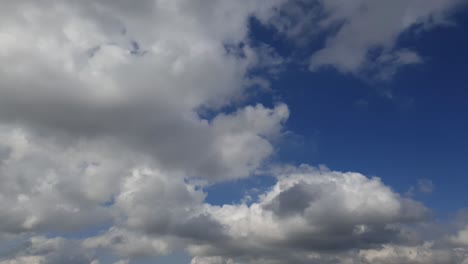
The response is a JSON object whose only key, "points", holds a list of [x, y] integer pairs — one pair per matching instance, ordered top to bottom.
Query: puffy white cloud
{"points": [[94, 68], [89, 93], [100, 106], [104, 134], [244, 141], [49, 186], [153, 201], [312, 211], [310, 215]]}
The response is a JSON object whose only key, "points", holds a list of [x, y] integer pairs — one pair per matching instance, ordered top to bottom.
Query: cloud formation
{"points": [[362, 35], [94, 69], [115, 114], [309, 216]]}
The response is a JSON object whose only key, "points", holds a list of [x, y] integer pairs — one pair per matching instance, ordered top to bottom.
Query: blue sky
{"points": [[351, 124], [234, 132], [418, 133]]}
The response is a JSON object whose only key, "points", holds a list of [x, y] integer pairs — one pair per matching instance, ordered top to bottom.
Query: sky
{"points": [[233, 132]]}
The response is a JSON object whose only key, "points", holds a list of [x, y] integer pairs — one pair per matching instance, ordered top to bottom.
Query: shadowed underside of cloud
{"points": [[102, 107]]}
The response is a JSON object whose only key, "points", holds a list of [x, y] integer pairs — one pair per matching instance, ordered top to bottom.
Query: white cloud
{"points": [[374, 24], [362, 35], [94, 69], [100, 123], [102, 126], [244, 141], [51, 187], [311, 210], [309, 216], [461, 238]]}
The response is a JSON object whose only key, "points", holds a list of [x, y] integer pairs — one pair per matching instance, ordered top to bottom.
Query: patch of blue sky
{"points": [[408, 128]]}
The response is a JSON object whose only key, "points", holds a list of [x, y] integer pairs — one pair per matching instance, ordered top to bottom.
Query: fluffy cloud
{"points": [[94, 69], [102, 108], [101, 114], [115, 114], [51, 187], [311, 211], [311, 215]]}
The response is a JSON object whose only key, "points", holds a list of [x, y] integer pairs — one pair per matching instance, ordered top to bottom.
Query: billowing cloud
{"points": [[95, 69], [115, 114], [50, 187], [311, 211], [311, 215]]}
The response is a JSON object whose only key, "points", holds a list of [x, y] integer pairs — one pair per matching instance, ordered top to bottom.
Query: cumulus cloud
{"points": [[94, 69], [115, 114], [101, 119], [50, 187], [311, 211], [311, 215]]}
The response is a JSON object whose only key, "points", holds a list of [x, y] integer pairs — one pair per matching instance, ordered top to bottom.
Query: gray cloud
{"points": [[370, 24], [362, 35], [72, 68], [330, 212], [336, 218], [39, 250]]}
